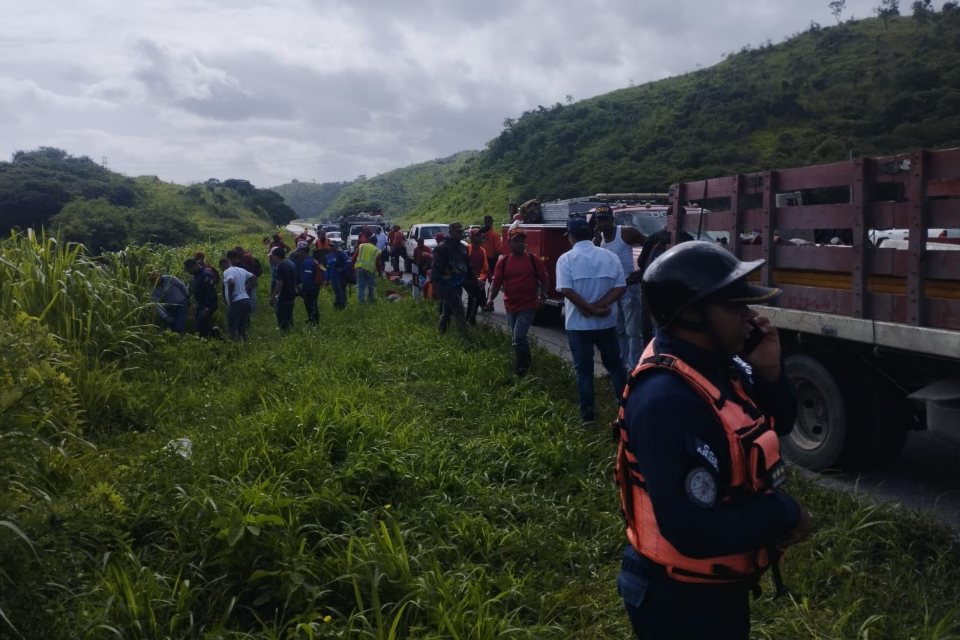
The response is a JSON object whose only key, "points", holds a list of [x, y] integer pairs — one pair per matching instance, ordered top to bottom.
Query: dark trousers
{"points": [[339, 287], [476, 298], [310, 304], [451, 305], [284, 312], [238, 319], [204, 321], [664, 609]]}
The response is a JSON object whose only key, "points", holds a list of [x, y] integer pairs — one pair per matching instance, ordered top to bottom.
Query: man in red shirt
{"points": [[397, 244], [523, 279]]}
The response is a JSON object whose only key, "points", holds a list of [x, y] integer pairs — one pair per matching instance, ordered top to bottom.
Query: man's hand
{"points": [[601, 311], [765, 357]]}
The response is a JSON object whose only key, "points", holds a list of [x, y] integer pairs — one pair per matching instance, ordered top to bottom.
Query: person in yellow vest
{"points": [[366, 259], [698, 464]]}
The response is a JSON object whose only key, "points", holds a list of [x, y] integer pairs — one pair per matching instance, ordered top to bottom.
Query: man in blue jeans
{"points": [[523, 279], [591, 280]]}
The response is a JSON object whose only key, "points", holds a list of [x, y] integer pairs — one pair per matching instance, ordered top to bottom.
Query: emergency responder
{"points": [[698, 466]]}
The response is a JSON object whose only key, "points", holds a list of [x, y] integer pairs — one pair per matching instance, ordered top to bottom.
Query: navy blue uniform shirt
{"points": [[672, 431]]}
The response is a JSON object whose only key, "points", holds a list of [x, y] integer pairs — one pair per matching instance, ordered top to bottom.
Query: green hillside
{"points": [[857, 88], [309, 199], [106, 211]]}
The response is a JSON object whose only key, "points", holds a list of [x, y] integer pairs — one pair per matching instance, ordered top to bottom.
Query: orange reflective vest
{"points": [[755, 467]]}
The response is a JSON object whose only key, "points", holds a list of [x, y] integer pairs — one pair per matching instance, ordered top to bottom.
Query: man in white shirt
{"points": [[591, 280], [237, 285]]}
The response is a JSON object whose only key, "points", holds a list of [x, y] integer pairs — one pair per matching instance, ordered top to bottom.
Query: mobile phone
{"points": [[753, 340]]}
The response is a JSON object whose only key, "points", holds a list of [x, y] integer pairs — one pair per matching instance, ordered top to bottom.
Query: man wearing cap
{"points": [[620, 240], [449, 271], [523, 279], [591, 280], [284, 289], [698, 466]]}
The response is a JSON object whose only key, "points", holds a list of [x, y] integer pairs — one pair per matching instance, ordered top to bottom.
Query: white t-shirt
{"points": [[239, 277]]}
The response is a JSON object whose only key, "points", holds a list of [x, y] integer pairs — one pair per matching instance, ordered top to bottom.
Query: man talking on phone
{"points": [[698, 465]]}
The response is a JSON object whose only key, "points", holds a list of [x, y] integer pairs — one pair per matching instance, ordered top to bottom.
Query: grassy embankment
{"points": [[366, 479]]}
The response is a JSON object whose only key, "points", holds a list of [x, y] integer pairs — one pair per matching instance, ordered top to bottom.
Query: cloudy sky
{"points": [[271, 90]]}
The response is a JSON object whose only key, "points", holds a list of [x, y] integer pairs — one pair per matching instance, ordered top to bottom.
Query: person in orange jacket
{"points": [[493, 245], [476, 287]]}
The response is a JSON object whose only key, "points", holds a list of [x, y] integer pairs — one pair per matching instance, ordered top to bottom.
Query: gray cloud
{"points": [[329, 89]]}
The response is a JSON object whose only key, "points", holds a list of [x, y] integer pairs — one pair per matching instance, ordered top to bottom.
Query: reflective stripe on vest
{"points": [[753, 447]]}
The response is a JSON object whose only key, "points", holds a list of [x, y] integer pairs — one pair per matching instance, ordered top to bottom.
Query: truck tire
{"points": [[848, 416], [820, 431]]}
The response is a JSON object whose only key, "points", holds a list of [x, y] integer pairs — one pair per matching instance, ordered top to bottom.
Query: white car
{"points": [[355, 231], [427, 231]]}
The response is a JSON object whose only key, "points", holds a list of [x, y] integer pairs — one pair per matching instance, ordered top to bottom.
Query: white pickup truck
{"points": [[428, 231]]}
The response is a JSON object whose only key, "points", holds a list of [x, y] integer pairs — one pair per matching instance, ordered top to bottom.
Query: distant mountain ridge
{"points": [[829, 93], [826, 94], [396, 192]]}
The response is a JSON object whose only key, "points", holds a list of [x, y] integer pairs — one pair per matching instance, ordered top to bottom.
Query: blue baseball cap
{"points": [[577, 226]]}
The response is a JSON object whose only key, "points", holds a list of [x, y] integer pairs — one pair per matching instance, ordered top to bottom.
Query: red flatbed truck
{"points": [[871, 333]]}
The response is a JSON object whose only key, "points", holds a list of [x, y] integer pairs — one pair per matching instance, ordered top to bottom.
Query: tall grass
{"points": [[93, 305], [371, 479]]}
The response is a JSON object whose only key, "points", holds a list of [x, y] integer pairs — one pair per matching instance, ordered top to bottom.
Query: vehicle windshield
{"points": [[646, 221], [428, 233]]}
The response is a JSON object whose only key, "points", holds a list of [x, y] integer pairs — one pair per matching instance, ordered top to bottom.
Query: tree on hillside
{"points": [[837, 7], [887, 9], [922, 11], [274, 206], [97, 224], [160, 224]]}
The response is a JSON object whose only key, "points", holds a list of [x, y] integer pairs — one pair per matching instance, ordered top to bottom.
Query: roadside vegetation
{"points": [[367, 479]]}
